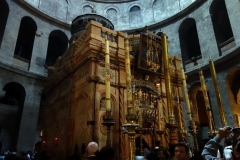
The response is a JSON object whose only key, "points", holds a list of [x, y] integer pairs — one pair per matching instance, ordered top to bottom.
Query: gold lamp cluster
{"points": [[153, 51]]}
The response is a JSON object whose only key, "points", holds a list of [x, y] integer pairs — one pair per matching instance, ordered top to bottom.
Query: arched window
{"points": [[87, 9], [4, 10], [112, 16], [135, 17], [221, 24], [25, 40], [189, 41], [57, 45]]}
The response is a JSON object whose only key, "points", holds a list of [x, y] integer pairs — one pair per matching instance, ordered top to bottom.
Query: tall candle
{"points": [[107, 75], [128, 77], [168, 84], [217, 91], [186, 95], [206, 100], [159, 116]]}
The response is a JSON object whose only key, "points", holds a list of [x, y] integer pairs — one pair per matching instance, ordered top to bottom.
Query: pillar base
{"points": [[131, 126]]}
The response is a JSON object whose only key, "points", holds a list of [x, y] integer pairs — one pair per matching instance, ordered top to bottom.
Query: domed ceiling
{"points": [[111, 1], [123, 14]]}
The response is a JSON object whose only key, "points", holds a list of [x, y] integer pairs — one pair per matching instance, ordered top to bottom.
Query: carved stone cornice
{"points": [[93, 79], [146, 84]]}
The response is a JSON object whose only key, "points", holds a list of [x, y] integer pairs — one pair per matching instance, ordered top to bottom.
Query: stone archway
{"points": [[233, 88], [11, 105], [199, 110], [38, 147]]}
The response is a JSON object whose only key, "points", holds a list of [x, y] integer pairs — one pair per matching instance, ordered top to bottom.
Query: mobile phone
{"points": [[235, 129]]}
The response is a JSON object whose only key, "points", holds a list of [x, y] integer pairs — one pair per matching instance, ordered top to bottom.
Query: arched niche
{"points": [[87, 9], [158, 9], [4, 11], [112, 16], [135, 17], [221, 24], [25, 40], [189, 41], [57, 45], [233, 87]]}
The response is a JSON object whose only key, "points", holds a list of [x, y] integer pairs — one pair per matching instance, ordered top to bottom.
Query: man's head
{"points": [[227, 142], [92, 148], [181, 151]]}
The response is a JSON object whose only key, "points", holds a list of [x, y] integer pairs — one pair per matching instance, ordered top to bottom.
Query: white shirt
{"points": [[227, 152]]}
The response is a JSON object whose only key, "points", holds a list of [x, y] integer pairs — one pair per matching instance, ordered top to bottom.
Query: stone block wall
{"points": [[152, 11]]}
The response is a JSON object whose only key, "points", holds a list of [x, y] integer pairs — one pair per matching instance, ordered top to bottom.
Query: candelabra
{"points": [[131, 116], [108, 121]]}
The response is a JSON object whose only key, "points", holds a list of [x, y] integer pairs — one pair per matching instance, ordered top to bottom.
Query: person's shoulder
{"points": [[91, 158]]}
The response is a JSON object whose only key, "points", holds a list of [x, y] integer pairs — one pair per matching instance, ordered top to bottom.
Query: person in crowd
{"points": [[211, 148], [91, 149], [146, 151], [181, 151], [227, 151], [106, 153], [153, 155], [13, 157]]}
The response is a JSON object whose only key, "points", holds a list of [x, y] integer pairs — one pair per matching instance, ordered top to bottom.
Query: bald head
{"points": [[92, 148]]}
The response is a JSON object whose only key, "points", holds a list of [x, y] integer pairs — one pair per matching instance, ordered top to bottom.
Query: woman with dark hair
{"points": [[106, 153]]}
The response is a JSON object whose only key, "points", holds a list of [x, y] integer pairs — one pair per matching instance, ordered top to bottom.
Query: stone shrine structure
{"points": [[75, 94]]}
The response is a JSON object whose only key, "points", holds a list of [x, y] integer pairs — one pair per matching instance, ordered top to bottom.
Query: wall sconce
{"points": [[146, 77], [158, 87], [92, 122], [41, 133]]}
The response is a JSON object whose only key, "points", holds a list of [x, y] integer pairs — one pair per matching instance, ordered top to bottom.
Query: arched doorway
{"points": [[233, 87], [12, 104], [200, 116], [38, 147]]}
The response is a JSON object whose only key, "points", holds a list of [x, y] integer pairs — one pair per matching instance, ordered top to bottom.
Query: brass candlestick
{"points": [[207, 104], [131, 116], [108, 122], [181, 129], [194, 133], [173, 138]]}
